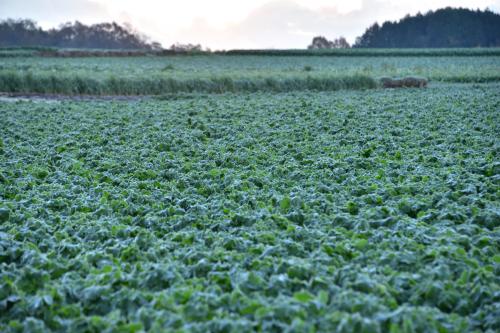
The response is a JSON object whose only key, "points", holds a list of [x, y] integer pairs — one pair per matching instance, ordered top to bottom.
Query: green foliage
{"points": [[350, 211], [4, 214]]}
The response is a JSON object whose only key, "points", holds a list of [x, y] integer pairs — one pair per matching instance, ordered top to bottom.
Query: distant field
{"points": [[225, 73]]}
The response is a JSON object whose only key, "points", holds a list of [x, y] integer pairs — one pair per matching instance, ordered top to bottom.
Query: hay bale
{"points": [[388, 82], [407, 82], [414, 82]]}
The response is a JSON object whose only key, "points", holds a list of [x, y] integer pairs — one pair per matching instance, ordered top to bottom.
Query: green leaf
{"points": [[285, 204], [352, 207], [4, 214], [360, 244], [496, 258], [303, 296]]}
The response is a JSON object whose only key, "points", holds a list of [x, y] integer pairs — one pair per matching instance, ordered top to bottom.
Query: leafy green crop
{"points": [[350, 211]]}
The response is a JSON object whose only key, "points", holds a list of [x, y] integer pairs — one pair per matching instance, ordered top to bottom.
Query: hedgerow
{"points": [[353, 52], [12, 82]]}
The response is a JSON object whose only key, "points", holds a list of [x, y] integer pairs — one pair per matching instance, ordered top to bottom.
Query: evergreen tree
{"points": [[447, 27]]}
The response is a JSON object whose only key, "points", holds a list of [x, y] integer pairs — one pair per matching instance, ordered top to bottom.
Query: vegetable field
{"points": [[220, 74], [302, 211]]}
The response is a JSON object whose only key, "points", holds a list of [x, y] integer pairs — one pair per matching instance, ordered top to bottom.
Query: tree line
{"points": [[443, 28], [19, 33]]}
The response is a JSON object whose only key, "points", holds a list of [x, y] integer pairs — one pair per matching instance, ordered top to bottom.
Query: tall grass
{"points": [[14, 82]]}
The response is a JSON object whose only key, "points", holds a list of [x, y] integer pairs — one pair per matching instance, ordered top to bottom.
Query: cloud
{"points": [[51, 12], [284, 24], [292, 24]]}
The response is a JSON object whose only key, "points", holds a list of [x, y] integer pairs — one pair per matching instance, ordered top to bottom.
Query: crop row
{"points": [[11, 82], [28, 83]]}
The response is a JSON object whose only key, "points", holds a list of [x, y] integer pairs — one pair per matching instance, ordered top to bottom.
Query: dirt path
{"points": [[15, 97]]}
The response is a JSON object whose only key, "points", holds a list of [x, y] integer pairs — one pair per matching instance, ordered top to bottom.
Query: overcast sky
{"points": [[224, 24]]}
